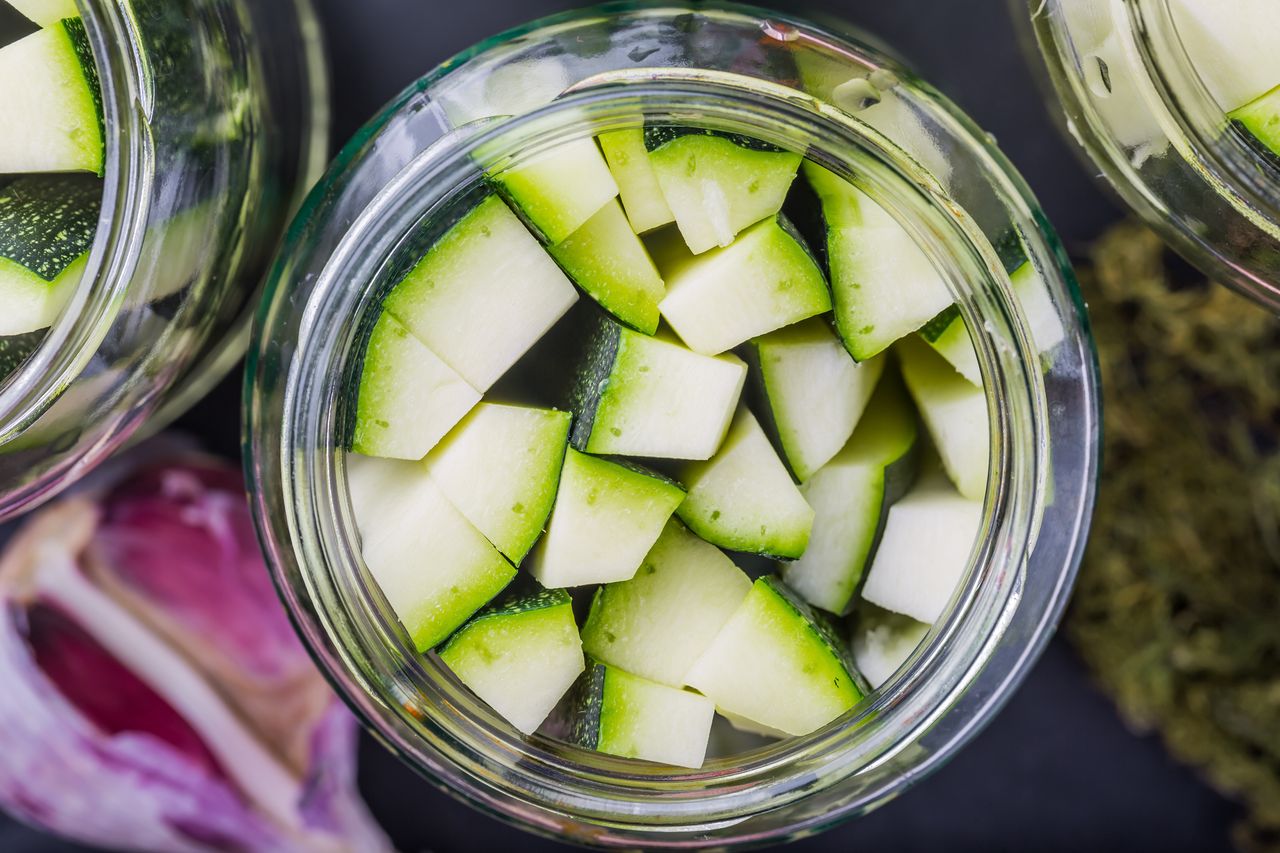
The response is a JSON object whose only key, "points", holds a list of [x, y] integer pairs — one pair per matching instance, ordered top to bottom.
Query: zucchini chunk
{"points": [[46, 12], [51, 102], [1261, 119], [628, 160], [717, 184], [560, 189], [47, 226], [606, 259], [765, 279], [883, 285], [483, 294], [809, 392], [636, 395], [408, 398], [955, 412], [500, 467], [851, 496], [743, 498], [606, 518], [927, 540], [435, 569], [658, 623], [882, 642], [520, 654], [777, 664], [626, 715]]}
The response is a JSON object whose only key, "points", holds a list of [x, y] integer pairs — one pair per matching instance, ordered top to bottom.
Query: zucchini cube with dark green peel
{"points": [[46, 12], [51, 103], [1261, 118], [717, 184], [558, 190], [642, 198], [47, 226], [606, 259], [764, 280], [883, 284], [483, 294], [949, 335], [809, 392], [637, 395], [408, 398], [955, 412], [500, 467], [851, 496], [743, 498], [607, 516], [928, 538], [434, 568], [658, 623], [883, 641], [520, 654], [777, 664], [632, 717]]}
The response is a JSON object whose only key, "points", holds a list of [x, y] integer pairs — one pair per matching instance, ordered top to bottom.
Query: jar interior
{"points": [[430, 700]]}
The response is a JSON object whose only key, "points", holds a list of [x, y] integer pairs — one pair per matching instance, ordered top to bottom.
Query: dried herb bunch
{"points": [[1178, 605]]}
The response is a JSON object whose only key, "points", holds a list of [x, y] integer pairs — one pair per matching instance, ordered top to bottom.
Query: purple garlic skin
{"points": [[156, 697]]}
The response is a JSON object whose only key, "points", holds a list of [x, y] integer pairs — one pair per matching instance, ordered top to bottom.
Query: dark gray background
{"points": [[1056, 770]]}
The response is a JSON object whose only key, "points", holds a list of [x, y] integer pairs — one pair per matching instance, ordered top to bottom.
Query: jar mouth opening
{"points": [[81, 325], [459, 728]]}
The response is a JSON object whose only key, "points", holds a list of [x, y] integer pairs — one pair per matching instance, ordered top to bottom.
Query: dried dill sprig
{"points": [[1178, 605]]}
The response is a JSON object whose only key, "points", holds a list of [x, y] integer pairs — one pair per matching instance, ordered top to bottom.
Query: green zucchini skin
{"points": [[656, 136], [47, 222], [16, 349], [586, 699]]}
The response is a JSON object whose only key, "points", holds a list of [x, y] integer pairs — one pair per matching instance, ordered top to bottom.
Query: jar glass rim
{"points": [[315, 494]]}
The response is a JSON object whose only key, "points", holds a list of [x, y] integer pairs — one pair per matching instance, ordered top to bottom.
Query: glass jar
{"points": [[727, 68], [1136, 102], [215, 117]]}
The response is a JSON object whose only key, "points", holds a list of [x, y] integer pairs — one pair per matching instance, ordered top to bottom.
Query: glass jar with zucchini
{"points": [[1178, 103], [150, 152], [673, 426]]}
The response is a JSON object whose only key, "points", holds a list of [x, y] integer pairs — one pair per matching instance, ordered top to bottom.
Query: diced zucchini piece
{"points": [[46, 12], [1232, 46], [51, 102], [1261, 117], [628, 160], [717, 184], [560, 189], [47, 225], [607, 260], [764, 280], [883, 285], [483, 294], [948, 334], [15, 349], [810, 393], [636, 395], [408, 397], [954, 410], [500, 467], [851, 496], [743, 498], [606, 518], [927, 540], [435, 569], [659, 622], [882, 642], [520, 654], [776, 664], [623, 714]]}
